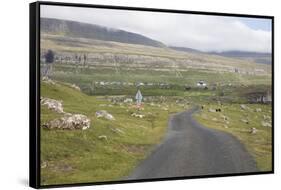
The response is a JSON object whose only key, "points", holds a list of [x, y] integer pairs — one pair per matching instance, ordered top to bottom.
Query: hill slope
{"points": [[84, 30], [185, 49], [257, 57], [76, 156]]}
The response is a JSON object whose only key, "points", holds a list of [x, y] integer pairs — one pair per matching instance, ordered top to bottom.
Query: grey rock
{"points": [[47, 80], [74, 86], [128, 100], [52, 104], [243, 107], [212, 110], [258, 110], [104, 114], [138, 115], [224, 117], [266, 117], [214, 119], [245, 121], [69, 122], [266, 124], [253, 130], [103, 137], [43, 165]]}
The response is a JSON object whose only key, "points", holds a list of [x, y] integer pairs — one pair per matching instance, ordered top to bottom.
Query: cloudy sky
{"points": [[203, 32]]}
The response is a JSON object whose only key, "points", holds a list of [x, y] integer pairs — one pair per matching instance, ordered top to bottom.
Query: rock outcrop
{"points": [[74, 86], [52, 104], [104, 114], [69, 122], [266, 124]]}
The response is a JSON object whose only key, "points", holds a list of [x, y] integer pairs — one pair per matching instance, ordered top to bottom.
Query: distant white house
{"points": [[201, 83]]}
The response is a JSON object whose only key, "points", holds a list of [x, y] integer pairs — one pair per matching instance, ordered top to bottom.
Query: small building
{"points": [[201, 84]]}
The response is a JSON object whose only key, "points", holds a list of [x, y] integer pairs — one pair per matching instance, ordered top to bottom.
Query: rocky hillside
{"points": [[83, 30], [72, 51]]}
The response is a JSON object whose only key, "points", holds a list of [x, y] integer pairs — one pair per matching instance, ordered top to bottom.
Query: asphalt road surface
{"points": [[190, 149]]}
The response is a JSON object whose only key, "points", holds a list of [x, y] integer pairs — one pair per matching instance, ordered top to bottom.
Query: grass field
{"points": [[81, 156]]}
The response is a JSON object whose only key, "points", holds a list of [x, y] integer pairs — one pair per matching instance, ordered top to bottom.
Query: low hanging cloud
{"points": [[202, 32]]}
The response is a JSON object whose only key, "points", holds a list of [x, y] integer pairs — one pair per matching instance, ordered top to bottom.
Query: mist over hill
{"points": [[84, 30]]}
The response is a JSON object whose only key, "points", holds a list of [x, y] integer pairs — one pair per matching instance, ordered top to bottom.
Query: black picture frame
{"points": [[34, 93]]}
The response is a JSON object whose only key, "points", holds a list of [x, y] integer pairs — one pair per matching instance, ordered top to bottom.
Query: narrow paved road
{"points": [[190, 149]]}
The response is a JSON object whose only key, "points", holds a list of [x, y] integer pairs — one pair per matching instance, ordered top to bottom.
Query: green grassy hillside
{"points": [[81, 156]]}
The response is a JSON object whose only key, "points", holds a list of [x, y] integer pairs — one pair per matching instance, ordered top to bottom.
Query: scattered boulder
{"points": [[48, 80], [74, 86], [128, 100], [52, 104], [152, 104], [243, 107], [141, 108], [165, 108], [212, 110], [258, 110], [104, 114], [137, 115], [224, 117], [266, 117], [214, 119], [245, 121], [69, 122], [266, 124], [225, 126], [117, 130], [253, 130], [103, 137], [43, 164]]}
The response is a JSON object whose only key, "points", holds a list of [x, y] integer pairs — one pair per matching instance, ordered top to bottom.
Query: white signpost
{"points": [[138, 98]]}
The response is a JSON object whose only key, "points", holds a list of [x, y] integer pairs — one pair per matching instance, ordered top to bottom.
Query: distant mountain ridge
{"points": [[92, 31], [98, 32], [185, 49], [257, 57]]}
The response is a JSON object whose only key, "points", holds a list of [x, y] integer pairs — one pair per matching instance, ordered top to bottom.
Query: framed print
{"points": [[126, 94]]}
